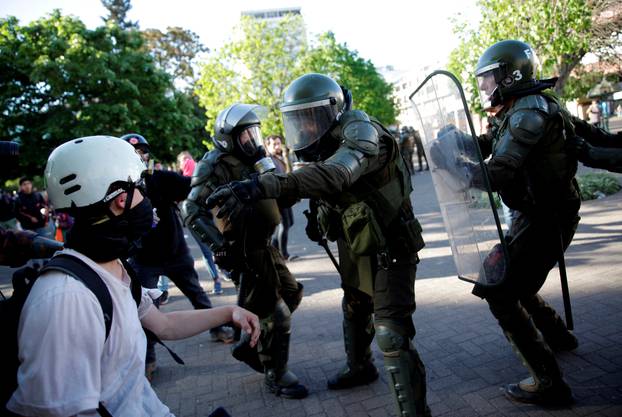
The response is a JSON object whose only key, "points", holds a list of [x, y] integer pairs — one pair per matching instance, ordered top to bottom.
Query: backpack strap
{"points": [[85, 274], [135, 286], [137, 293]]}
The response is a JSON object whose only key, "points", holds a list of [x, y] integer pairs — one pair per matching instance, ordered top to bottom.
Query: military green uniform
{"points": [[534, 174], [363, 193], [270, 290]]}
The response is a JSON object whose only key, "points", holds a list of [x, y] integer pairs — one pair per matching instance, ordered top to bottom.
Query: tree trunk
{"points": [[568, 63]]}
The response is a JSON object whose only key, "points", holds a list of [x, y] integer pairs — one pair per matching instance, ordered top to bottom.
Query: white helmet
{"points": [[79, 172]]}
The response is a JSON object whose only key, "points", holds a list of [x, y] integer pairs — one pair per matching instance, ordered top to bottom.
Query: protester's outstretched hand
{"points": [[248, 322]]}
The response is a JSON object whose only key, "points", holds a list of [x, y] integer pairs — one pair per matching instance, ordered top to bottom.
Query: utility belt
{"points": [[386, 260]]}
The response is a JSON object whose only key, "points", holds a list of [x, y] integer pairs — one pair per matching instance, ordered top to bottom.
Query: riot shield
{"points": [[467, 205]]}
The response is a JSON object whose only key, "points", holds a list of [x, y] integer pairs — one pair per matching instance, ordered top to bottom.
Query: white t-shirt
{"points": [[67, 364]]}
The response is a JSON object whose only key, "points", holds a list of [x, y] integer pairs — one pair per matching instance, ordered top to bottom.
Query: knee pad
{"points": [[390, 340]]}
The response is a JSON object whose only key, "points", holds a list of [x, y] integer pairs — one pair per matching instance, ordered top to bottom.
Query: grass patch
{"points": [[597, 185]]}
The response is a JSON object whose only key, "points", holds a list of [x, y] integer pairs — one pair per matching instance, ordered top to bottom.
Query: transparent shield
{"points": [[466, 203]]}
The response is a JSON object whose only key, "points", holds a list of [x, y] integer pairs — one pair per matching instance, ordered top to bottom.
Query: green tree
{"points": [[117, 13], [560, 31], [175, 51], [265, 57], [255, 67], [60, 80], [370, 91]]}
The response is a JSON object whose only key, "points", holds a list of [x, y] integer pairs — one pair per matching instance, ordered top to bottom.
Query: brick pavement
{"points": [[465, 353], [466, 356]]}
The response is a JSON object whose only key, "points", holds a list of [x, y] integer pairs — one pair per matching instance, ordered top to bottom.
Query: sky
{"points": [[406, 34]]}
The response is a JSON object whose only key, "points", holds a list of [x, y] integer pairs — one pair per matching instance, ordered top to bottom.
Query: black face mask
{"points": [[321, 150], [115, 236]]}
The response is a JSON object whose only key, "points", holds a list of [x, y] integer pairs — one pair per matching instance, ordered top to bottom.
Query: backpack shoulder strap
{"points": [[84, 273], [135, 286]]}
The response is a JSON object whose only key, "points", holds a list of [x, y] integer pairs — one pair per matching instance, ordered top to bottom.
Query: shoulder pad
{"points": [[532, 102], [527, 126], [358, 132], [205, 167]]}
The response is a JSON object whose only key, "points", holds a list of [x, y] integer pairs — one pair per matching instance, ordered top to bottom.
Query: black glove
{"points": [[235, 198], [313, 227], [227, 257]]}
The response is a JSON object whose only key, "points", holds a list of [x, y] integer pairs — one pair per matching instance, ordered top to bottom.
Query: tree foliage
{"points": [[117, 13], [561, 32], [175, 51], [265, 57], [255, 67], [60, 80]]}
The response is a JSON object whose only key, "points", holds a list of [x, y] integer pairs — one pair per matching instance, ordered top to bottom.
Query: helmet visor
{"points": [[486, 86], [306, 123], [250, 140]]}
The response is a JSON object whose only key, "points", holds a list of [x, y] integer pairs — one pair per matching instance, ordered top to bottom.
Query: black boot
{"points": [[358, 333], [278, 379], [546, 385]]}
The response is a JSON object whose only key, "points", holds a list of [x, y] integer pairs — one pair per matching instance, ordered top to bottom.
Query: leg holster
{"points": [[404, 368]]}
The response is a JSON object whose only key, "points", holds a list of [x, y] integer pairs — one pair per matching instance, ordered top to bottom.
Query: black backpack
{"points": [[11, 308]]}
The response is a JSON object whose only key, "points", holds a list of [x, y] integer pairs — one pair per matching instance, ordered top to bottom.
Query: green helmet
{"points": [[504, 70], [311, 106], [237, 130]]}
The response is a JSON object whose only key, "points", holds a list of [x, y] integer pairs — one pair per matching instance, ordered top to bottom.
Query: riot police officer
{"points": [[407, 147], [533, 172], [358, 180], [243, 246]]}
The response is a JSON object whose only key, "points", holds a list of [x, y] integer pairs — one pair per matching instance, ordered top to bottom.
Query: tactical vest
{"points": [[546, 179], [387, 193], [265, 217]]}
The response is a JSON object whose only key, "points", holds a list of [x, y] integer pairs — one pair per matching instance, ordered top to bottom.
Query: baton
{"points": [[324, 243], [561, 263]]}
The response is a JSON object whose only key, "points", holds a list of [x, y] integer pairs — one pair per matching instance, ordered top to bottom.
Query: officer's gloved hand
{"points": [[578, 147], [234, 198], [313, 227], [227, 257]]}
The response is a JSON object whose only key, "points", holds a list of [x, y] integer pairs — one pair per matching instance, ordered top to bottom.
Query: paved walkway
{"points": [[466, 356]]}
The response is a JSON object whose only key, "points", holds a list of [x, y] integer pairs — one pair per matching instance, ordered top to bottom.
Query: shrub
{"points": [[597, 185]]}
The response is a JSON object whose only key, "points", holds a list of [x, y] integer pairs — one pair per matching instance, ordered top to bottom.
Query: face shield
{"points": [[488, 85], [306, 123], [249, 140]]}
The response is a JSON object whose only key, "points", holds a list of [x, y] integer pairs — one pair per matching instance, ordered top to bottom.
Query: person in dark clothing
{"points": [[274, 147], [595, 147], [420, 151], [533, 172], [360, 187], [32, 209], [7, 210], [163, 249], [265, 284]]}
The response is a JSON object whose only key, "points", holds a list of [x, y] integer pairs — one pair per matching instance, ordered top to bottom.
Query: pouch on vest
{"points": [[361, 230], [413, 238]]}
